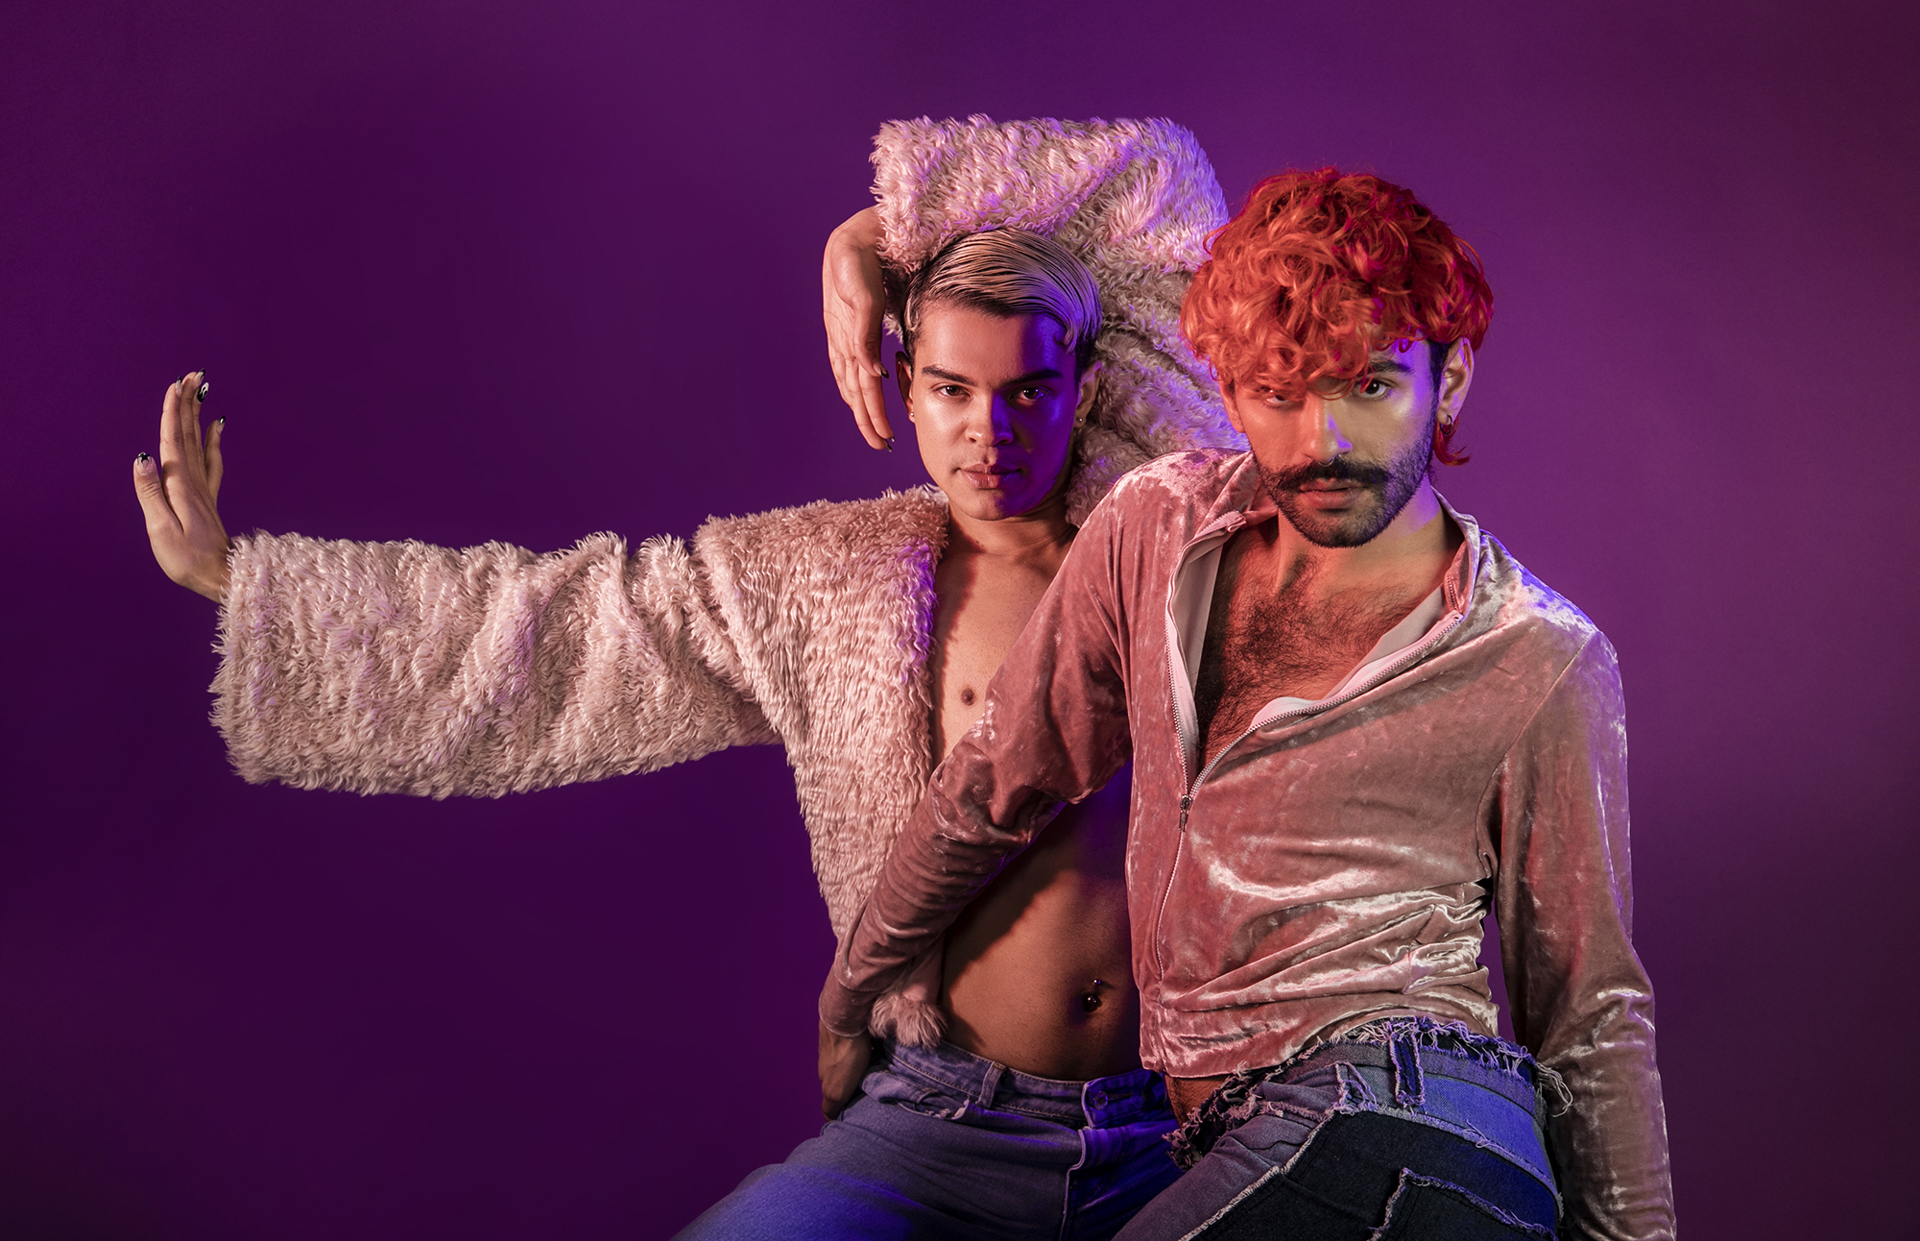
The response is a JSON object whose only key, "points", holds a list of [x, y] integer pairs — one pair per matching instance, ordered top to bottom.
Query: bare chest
{"points": [[983, 606]]}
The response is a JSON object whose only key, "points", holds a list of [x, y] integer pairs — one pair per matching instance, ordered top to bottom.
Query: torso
{"points": [[1275, 631], [1024, 957]]}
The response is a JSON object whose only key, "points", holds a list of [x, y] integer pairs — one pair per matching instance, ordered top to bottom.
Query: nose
{"points": [[991, 421], [1325, 439]]}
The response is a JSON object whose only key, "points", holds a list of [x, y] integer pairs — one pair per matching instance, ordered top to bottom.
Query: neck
{"points": [[1041, 534], [1419, 541]]}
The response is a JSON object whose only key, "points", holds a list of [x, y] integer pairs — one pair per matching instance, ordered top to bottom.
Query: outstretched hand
{"points": [[854, 300], [179, 493], [843, 1065]]}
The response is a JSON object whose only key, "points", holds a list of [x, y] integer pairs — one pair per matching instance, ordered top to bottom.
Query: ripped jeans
{"points": [[1404, 1127], [946, 1144]]}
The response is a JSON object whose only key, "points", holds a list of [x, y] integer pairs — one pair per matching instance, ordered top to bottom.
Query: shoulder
{"points": [[1200, 474], [1175, 493], [1523, 603]]}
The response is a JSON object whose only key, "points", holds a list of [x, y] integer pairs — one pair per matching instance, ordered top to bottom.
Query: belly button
{"points": [[966, 698], [1091, 1000]]}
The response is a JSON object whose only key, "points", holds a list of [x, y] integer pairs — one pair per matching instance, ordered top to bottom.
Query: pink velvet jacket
{"points": [[403, 667], [1332, 865]]}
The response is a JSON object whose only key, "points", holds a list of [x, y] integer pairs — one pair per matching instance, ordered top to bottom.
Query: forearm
{"points": [[1611, 1144]]}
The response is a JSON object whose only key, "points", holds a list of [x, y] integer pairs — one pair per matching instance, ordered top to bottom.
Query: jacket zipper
{"points": [[1189, 791], [1186, 794]]}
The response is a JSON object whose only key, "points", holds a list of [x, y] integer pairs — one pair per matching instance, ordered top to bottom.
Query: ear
{"points": [[903, 375], [1455, 378], [1089, 389], [1233, 409]]}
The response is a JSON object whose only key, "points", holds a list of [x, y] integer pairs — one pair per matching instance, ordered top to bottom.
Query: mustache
{"points": [[1339, 470]]}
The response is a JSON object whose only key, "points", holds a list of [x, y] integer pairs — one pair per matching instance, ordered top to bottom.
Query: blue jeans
{"points": [[1402, 1128], [946, 1144]]}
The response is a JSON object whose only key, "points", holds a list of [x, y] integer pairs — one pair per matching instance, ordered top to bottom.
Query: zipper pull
{"points": [[1186, 803]]}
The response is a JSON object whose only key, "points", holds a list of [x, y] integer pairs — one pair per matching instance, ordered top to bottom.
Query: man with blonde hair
{"points": [[860, 636]]}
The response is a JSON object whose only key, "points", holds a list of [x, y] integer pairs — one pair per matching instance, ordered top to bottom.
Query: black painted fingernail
{"points": [[202, 393], [221, 421], [889, 443], [143, 458]]}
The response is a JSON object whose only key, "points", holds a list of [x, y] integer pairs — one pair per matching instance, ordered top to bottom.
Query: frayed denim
{"points": [[1405, 1127], [945, 1144]]}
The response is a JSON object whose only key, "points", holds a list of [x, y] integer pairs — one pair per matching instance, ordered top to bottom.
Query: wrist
{"points": [[862, 229], [219, 577], [842, 1013]]}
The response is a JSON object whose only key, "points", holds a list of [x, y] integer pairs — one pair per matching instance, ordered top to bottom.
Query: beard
{"points": [[1386, 488]]}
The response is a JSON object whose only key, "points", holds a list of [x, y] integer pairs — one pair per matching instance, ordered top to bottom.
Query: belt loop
{"points": [[990, 1083], [1409, 1088]]}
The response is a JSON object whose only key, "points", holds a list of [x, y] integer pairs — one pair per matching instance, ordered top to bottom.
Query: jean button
{"points": [[1099, 1100]]}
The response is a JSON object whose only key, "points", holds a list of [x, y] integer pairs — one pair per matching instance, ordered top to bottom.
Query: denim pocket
{"points": [[913, 1093]]}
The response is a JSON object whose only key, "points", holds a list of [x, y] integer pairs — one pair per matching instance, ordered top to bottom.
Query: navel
{"points": [[966, 697]]}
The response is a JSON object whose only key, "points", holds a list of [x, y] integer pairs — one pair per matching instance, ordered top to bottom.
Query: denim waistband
{"points": [[1383, 1066], [1104, 1102]]}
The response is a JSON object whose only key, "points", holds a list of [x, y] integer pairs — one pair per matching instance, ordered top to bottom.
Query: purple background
{"points": [[463, 271]]}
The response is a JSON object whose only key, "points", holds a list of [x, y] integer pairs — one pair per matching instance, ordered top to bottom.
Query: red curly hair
{"points": [[1321, 269]]}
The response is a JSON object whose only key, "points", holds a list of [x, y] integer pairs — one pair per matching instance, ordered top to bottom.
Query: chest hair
{"points": [[1294, 641]]}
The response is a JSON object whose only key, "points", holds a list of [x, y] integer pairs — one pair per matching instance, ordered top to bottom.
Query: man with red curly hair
{"points": [[1356, 722]]}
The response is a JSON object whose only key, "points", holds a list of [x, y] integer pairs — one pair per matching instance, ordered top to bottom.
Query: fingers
{"points": [[862, 393], [874, 395], [190, 417], [173, 445], [183, 457], [216, 464], [153, 500]]}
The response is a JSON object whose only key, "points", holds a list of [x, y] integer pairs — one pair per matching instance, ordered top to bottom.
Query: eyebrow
{"points": [[1389, 364], [935, 372]]}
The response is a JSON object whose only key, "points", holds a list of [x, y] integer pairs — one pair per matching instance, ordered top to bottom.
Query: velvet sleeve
{"points": [[403, 667], [1054, 730], [1581, 1001]]}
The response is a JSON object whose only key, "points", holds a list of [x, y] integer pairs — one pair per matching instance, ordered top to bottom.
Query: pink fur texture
{"points": [[402, 667]]}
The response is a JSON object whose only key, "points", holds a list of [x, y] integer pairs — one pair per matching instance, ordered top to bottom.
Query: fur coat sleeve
{"points": [[1135, 201], [401, 667]]}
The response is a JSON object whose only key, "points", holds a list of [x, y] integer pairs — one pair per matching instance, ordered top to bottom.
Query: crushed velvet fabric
{"points": [[1335, 864]]}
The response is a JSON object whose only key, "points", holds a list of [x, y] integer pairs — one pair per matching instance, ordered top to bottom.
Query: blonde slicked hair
{"points": [[1009, 272]]}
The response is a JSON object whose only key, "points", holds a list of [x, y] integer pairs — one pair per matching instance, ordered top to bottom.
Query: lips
{"points": [[988, 477], [1330, 494]]}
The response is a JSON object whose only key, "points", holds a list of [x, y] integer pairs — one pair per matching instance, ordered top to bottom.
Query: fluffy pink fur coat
{"points": [[401, 667]]}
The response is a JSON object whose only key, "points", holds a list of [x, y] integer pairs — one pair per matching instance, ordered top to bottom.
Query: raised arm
{"points": [[1581, 1000]]}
